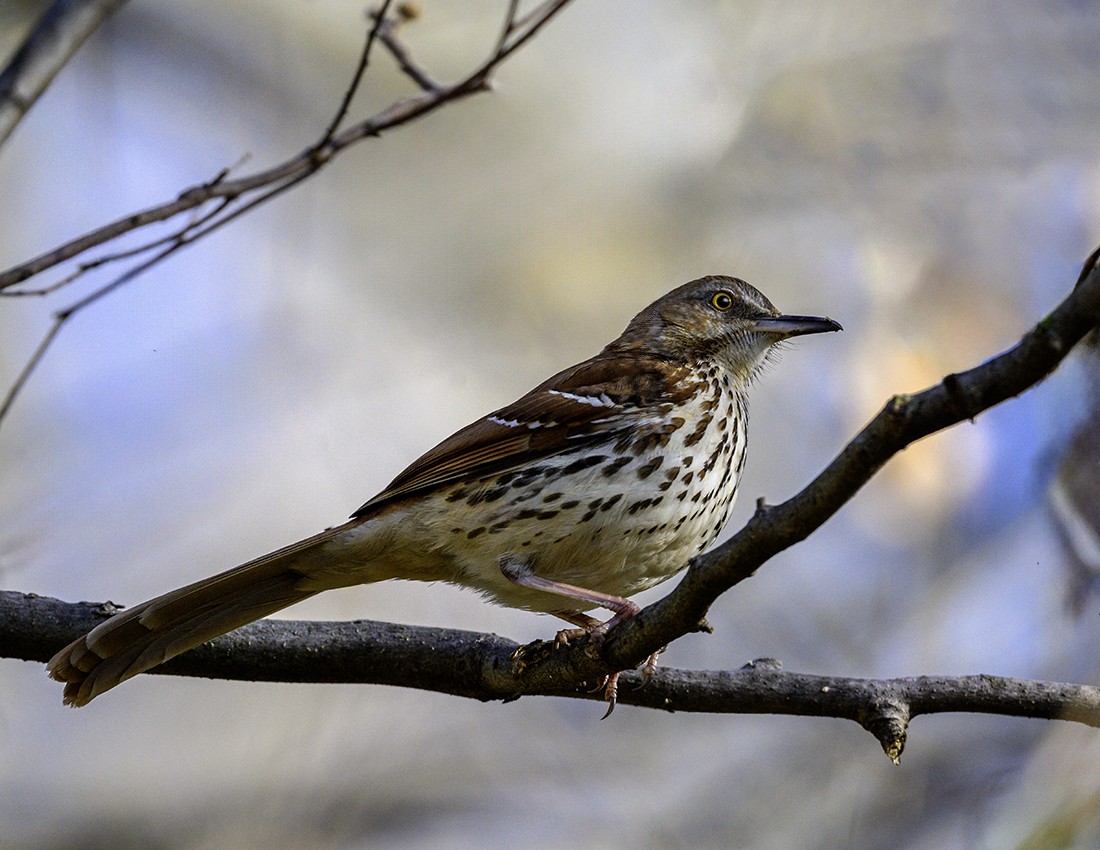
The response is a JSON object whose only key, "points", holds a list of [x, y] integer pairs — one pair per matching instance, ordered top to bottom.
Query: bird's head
{"points": [[717, 319]]}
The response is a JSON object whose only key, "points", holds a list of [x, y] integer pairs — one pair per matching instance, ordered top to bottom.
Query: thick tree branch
{"points": [[53, 42], [480, 666]]}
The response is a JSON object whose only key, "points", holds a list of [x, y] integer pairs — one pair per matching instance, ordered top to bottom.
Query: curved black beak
{"points": [[786, 326]]}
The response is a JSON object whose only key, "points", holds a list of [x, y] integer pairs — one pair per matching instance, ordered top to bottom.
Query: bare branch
{"points": [[509, 24], [524, 29], [387, 34], [53, 42], [306, 162], [228, 199], [196, 222], [181, 240], [29, 367], [480, 666]]}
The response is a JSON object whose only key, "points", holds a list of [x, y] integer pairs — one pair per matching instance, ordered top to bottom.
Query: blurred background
{"points": [[925, 172]]}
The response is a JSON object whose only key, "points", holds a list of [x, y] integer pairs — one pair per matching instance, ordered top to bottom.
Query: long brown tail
{"points": [[148, 634]]}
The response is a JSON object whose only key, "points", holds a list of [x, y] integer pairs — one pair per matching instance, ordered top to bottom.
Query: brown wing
{"points": [[590, 401]]}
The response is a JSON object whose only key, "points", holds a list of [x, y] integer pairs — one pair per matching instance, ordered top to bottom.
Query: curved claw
{"points": [[611, 694]]}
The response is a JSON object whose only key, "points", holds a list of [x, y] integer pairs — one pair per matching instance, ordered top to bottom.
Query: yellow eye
{"points": [[721, 301]]}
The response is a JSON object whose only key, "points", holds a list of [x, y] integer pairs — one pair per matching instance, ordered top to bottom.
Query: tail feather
{"points": [[140, 638]]}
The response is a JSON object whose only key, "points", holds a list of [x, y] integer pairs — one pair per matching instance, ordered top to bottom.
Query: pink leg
{"points": [[623, 609]]}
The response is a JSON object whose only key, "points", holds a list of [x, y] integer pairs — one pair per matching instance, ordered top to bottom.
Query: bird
{"points": [[602, 481]]}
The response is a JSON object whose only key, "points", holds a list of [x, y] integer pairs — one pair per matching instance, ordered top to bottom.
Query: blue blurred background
{"points": [[925, 172]]}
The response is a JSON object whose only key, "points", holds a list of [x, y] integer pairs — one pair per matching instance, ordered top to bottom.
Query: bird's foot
{"points": [[596, 631], [563, 637]]}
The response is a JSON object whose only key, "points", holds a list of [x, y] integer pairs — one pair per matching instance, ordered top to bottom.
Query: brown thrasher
{"points": [[598, 483]]}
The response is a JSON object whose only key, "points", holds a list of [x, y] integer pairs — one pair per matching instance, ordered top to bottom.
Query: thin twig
{"points": [[531, 24], [508, 28], [387, 34], [55, 39], [357, 77], [393, 116], [269, 182], [197, 219], [195, 222], [179, 242], [30, 366]]}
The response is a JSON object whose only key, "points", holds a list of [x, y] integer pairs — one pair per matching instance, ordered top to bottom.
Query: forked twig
{"points": [[230, 198]]}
